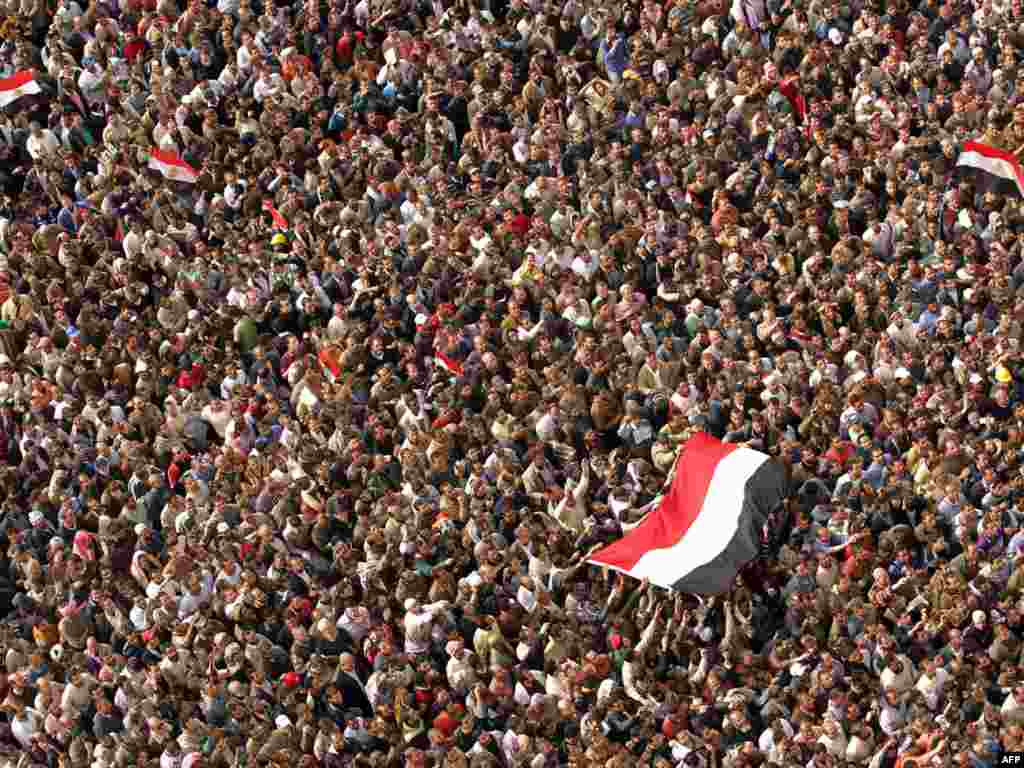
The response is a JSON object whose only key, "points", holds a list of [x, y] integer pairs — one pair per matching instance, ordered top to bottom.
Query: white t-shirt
{"points": [[43, 145], [25, 727]]}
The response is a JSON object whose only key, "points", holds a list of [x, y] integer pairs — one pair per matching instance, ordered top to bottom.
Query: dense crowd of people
{"points": [[303, 458]]}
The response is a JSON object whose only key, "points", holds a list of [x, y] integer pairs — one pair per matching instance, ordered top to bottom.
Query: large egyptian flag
{"points": [[17, 85], [171, 166], [992, 168], [710, 524]]}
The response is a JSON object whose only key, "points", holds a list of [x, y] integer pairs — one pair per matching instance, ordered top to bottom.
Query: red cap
{"points": [[291, 679]]}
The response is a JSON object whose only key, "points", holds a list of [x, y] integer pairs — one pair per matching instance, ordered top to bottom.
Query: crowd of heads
{"points": [[308, 429]]}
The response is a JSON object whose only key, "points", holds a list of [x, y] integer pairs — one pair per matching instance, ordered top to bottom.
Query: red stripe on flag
{"points": [[17, 80], [171, 159], [677, 511]]}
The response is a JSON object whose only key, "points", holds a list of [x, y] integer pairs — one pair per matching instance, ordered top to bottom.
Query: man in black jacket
{"points": [[351, 688]]}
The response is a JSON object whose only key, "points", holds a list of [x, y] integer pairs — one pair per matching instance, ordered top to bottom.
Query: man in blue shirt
{"points": [[614, 54], [66, 215]]}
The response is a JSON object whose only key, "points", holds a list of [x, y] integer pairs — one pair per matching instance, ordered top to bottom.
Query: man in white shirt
{"points": [[247, 51], [228, 78], [268, 84], [42, 143], [234, 191], [133, 242], [310, 290], [337, 326], [639, 340], [234, 377], [548, 424], [572, 509], [418, 623], [461, 667], [898, 674], [931, 683], [77, 695], [1012, 711], [25, 724], [774, 739]]}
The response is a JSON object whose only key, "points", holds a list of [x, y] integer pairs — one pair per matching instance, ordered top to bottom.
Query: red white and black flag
{"points": [[19, 84], [172, 166], [992, 168], [709, 525]]}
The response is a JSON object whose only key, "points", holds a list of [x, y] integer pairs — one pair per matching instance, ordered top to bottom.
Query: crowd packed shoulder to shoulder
{"points": [[301, 457]]}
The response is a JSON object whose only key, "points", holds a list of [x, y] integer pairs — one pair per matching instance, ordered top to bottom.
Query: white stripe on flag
{"points": [[714, 527]]}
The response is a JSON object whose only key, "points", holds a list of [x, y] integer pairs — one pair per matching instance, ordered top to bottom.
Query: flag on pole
{"points": [[17, 85], [172, 167], [994, 168], [279, 221], [710, 523]]}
